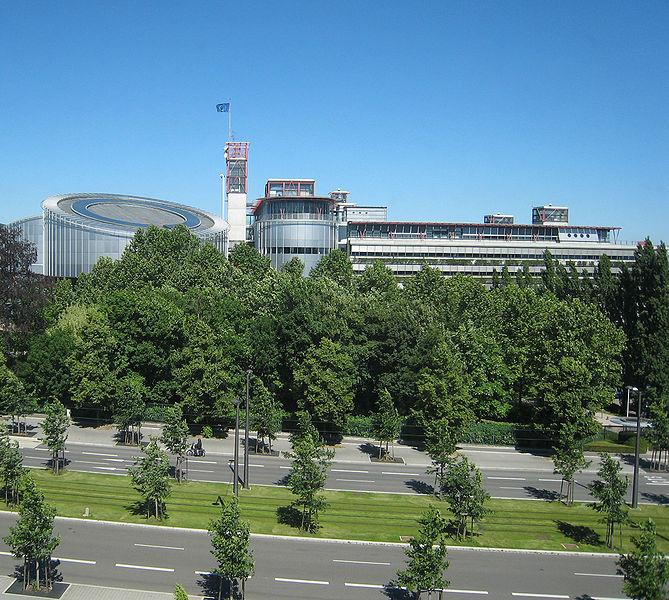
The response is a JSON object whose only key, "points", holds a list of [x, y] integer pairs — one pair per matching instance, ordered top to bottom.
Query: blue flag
{"points": [[225, 107]]}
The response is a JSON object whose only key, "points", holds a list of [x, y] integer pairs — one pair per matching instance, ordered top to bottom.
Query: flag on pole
{"points": [[225, 107]]}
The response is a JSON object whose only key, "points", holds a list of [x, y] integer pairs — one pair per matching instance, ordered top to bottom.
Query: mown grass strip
{"points": [[350, 515]]}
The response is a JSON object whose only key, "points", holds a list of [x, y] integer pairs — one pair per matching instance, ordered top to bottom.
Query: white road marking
{"points": [[45, 450], [99, 454], [116, 460], [89, 462], [202, 462], [258, 466], [285, 467], [107, 468], [200, 471], [346, 471], [392, 473], [508, 478], [358, 480], [551, 480], [664, 483], [506, 487], [161, 547], [3, 553], [75, 560], [360, 562], [144, 568], [203, 572], [598, 575], [311, 581], [374, 586], [479, 592], [538, 595]]}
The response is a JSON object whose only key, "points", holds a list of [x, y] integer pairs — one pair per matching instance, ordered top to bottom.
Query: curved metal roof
{"points": [[120, 213]]}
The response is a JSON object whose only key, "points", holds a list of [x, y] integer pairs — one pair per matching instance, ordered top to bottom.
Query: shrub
{"points": [[207, 432], [180, 593]]}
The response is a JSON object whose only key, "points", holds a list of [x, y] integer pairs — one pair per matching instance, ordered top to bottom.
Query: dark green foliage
{"points": [[54, 428], [150, 477], [609, 492], [426, 556], [646, 571]]}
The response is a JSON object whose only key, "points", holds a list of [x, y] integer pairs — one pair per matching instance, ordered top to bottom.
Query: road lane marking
{"points": [[45, 450], [99, 454], [89, 462], [202, 462], [258, 466], [285, 467], [108, 469], [200, 471], [346, 471], [409, 474], [508, 478], [357, 480], [552, 480], [664, 483], [506, 487], [162, 547], [78, 561], [360, 562], [145, 568], [204, 572], [598, 575], [311, 581], [374, 586], [479, 592], [528, 595]]}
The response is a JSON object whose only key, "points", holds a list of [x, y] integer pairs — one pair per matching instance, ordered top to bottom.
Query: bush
{"points": [[360, 426], [207, 432], [505, 434], [613, 447], [180, 593]]}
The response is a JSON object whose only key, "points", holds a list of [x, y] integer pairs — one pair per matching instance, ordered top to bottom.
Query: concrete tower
{"points": [[236, 187]]}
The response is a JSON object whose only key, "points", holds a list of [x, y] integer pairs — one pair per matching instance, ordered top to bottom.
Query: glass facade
{"points": [[285, 228], [69, 242]]}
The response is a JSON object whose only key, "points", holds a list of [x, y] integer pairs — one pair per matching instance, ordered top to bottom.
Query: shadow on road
{"points": [[420, 487], [542, 494], [655, 498], [209, 585]]}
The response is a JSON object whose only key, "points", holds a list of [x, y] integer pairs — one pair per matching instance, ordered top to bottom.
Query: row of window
{"points": [[296, 250], [474, 255]]}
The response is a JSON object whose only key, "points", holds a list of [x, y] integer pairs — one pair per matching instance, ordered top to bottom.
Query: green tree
{"points": [[336, 266], [327, 378], [14, 398], [130, 408], [266, 415], [386, 422], [54, 428], [658, 434], [175, 437], [440, 443], [568, 459], [11, 468], [308, 473], [150, 476], [609, 492], [465, 493], [32, 537], [230, 537], [426, 556], [645, 569], [180, 593]]}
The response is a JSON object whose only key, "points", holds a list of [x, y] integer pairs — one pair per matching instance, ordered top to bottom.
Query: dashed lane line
{"points": [[99, 454], [347, 471], [396, 473], [508, 478], [357, 480], [161, 547], [360, 562], [144, 568], [599, 575], [308, 581], [374, 586], [476, 592], [528, 595]]}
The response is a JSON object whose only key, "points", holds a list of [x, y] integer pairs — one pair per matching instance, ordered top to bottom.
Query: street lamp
{"points": [[627, 406], [246, 433], [635, 481], [235, 484]]}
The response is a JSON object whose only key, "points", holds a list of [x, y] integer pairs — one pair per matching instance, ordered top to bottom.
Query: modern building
{"points": [[236, 190], [292, 221], [75, 230]]}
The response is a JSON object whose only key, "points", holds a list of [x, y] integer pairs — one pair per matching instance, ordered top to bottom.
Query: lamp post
{"points": [[627, 406], [246, 433], [635, 481], [235, 484]]}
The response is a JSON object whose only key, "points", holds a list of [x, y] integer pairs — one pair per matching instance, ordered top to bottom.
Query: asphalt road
{"points": [[507, 479], [152, 558]]}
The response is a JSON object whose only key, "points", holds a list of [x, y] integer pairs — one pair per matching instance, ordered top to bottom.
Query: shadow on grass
{"points": [[420, 487], [542, 494], [141, 508], [289, 515], [580, 534]]}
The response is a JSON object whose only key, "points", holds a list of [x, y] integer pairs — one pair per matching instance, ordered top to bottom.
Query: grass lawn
{"points": [[533, 524]]}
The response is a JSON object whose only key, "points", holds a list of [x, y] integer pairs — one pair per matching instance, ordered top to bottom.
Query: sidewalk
{"points": [[78, 591]]}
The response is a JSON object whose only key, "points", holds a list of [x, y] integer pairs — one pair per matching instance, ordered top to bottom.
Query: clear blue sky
{"points": [[442, 110]]}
